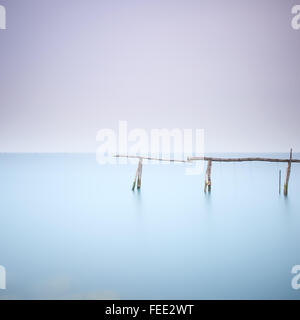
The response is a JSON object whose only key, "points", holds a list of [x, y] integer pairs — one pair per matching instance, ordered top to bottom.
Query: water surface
{"points": [[71, 228]]}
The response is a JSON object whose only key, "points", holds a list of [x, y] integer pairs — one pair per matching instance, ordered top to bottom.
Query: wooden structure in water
{"points": [[138, 175], [207, 186]]}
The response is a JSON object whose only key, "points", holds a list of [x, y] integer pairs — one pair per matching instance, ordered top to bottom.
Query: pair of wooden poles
{"points": [[207, 184]]}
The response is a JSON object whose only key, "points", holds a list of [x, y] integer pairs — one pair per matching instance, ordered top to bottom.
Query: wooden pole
{"points": [[151, 158], [140, 168], [288, 173], [137, 175], [208, 175], [134, 181], [279, 181]]}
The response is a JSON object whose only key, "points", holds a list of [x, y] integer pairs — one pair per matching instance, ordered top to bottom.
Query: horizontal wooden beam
{"points": [[149, 158], [189, 159], [242, 159]]}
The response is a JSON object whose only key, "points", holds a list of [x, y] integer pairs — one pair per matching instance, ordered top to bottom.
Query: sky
{"points": [[69, 68]]}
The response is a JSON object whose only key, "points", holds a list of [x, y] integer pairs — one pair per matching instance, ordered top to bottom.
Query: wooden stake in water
{"points": [[288, 173], [138, 176], [208, 176], [139, 179], [134, 181], [279, 181]]}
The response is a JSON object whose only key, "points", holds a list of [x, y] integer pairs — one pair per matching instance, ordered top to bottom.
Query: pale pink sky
{"points": [[71, 67]]}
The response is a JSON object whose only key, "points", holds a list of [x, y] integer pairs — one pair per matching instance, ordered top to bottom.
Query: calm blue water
{"points": [[71, 228]]}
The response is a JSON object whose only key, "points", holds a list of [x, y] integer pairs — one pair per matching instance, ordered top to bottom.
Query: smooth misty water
{"points": [[71, 228]]}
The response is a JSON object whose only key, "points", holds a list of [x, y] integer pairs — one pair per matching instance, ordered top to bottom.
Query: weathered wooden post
{"points": [[140, 168], [288, 172], [208, 175], [138, 176], [279, 181]]}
